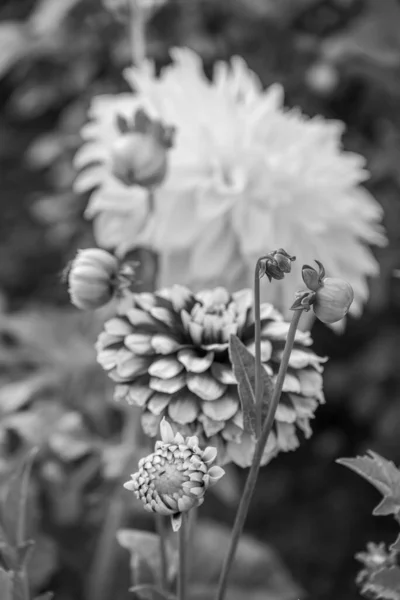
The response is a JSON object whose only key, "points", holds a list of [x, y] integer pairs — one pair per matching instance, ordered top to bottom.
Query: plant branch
{"points": [[137, 32], [257, 332], [258, 453], [162, 536], [182, 560]]}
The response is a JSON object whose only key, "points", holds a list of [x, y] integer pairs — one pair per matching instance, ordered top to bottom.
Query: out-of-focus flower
{"points": [[243, 170], [91, 278], [330, 297], [168, 353], [176, 476], [375, 558]]}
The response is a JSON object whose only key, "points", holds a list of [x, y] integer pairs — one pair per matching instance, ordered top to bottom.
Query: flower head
{"points": [[243, 170], [91, 278], [330, 297], [168, 353], [176, 476]]}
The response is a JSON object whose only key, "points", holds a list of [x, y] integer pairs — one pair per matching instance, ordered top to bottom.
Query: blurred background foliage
{"points": [[339, 58]]}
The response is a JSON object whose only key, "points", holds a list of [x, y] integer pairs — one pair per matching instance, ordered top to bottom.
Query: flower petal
{"points": [[164, 344], [193, 362], [165, 368], [223, 372], [168, 386], [205, 386], [158, 402], [183, 409], [223, 409], [167, 434]]}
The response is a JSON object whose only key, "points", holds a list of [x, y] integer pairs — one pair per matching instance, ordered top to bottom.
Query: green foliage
{"points": [[243, 363], [257, 571], [380, 578]]}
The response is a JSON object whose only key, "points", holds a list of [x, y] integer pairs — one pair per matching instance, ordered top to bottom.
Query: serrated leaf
{"points": [[244, 368], [383, 475], [13, 507], [396, 545], [386, 583], [5, 585], [150, 592]]}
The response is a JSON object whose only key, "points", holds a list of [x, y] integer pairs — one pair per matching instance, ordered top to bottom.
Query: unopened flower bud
{"points": [[140, 155], [276, 264], [91, 278], [330, 297], [333, 300], [176, 476]]}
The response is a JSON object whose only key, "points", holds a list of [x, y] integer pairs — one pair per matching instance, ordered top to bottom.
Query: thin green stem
{"points": [[137, 32], [257, 327], [258, 453], [162, 536], [182, 560]]}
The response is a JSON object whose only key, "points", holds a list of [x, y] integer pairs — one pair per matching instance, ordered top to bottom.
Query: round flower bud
{"points": [[139, 156], [91, 278], [333, 299], [176, 476]]}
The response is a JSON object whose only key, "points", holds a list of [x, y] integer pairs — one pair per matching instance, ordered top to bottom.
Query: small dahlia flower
{"points": [[243, 170], [168, 353], [176, 476]]}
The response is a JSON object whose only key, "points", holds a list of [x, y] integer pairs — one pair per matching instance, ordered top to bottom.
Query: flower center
{"points": [[169, 479]]}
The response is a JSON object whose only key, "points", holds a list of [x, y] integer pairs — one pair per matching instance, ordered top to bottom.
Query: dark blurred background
{"points": [[339, 58]]}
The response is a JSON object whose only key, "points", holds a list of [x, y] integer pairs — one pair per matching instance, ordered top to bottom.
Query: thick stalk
{"points": [[137, 32], [257, 339], [258, 453], [162, 536], [182, 575]]}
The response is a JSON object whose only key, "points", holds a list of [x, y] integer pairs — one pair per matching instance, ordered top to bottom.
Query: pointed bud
{"points": [[283, 260]]}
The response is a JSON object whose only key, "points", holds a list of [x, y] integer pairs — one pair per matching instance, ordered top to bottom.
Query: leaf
{"points": [[243, 364], [382, 474], [13, 507], [145, 555], [257, 570], [386, 583], [5, 585], [150, 592]]}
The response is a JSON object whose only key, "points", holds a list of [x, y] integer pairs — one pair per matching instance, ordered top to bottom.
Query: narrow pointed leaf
{"points": [[243, 366], [244, 369], [13, 508], [5, 585], [150, 592]]}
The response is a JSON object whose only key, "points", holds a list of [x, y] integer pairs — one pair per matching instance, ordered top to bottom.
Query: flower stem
{"points": [[137, 32], [257, 331], [258, 453], [162, 536], [182, 560]]}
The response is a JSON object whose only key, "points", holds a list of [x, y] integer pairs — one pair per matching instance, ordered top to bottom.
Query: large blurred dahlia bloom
{"points": [[243, 170], [168, 353]]}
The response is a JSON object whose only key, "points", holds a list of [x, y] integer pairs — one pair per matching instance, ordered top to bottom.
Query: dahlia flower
{"points": [[243, 170], [168, 353], [176, 476]]}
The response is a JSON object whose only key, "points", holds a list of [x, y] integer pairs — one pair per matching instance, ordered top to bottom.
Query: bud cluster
{"points": [[276, 264]]}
